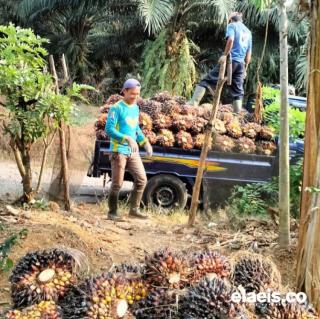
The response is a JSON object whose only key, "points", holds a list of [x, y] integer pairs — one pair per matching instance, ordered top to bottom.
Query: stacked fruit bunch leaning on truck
{"points": [[168, 121]]}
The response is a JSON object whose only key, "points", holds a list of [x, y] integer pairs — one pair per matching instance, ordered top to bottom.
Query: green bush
{"points": [[272, 115], [254, 199]]}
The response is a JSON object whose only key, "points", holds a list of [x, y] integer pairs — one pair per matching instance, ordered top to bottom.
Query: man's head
{"points": [[235, 17], [131, 91]]}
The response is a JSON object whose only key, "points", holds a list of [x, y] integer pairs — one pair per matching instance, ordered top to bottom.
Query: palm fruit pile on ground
{"points": [[168, 121], [40, 276], [167, 284], [43, 310]]}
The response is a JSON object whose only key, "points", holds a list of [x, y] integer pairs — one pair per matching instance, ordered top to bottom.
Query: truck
{"points": [[172, 172]]}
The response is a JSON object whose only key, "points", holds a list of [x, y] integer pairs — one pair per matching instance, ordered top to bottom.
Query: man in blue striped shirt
{"points": [[125, 134]]}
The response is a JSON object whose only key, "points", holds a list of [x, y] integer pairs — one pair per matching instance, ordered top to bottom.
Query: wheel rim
{"points": [[164, 196]]}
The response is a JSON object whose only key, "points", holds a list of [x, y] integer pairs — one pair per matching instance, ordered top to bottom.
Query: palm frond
{"points": [[155, 14]]}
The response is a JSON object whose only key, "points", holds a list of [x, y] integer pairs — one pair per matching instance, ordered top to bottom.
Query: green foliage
{"points": [[169, 66], [272, 117], [254, 199], [38, 204], [6, 263]]}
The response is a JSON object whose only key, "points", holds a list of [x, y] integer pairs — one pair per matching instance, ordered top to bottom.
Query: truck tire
{"points": [[166, 191]]}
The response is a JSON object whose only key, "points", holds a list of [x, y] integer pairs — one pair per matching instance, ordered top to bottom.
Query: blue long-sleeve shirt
{"points": [[123, 120]]}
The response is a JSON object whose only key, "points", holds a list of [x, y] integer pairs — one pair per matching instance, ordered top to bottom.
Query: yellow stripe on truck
{"points": [[209, 166]]}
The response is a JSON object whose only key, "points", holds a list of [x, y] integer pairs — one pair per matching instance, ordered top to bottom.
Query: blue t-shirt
{"points": [[242, 40], [123, 120]]}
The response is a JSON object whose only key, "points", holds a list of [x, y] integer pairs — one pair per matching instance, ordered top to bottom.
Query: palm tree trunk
{"points": [[284, 179], [308, 263]]}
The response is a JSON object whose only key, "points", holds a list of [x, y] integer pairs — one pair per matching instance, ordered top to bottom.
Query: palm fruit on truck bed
{"points": [[162, 97], [113, 99], [181, 100], [171, 107], [105, 108], [152, 108], [189, 110], [145, 121], [162, 121], [101, 122], [182, 123], [198, 125], [220, 127], [234, 128], [251, 130], [266, 133], [102, 135], [151, 136], [165, 138], [184, 140], [198, 141], [223, 143], [245, 145], [266, 147], [207, 263], [166, 269], [254, 272], [45, 275], [105, 296], [211, 299], [160, 304], [43, 310]]}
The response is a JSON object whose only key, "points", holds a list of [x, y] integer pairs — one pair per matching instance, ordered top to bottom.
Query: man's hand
{"points": [[222, 59], [132, 144], [148, 148]]}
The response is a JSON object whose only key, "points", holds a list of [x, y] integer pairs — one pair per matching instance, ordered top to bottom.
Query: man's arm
{"points": [[228, 46], [249, 53], [141, 139]]}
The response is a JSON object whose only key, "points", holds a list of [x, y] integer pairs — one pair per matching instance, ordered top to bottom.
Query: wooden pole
{"points": [[64, 67], [204, 152], [64, 161], [284, 172], [308, 261]]}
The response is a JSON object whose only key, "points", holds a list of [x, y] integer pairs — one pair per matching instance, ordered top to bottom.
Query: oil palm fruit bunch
{"points": [[162, 97], [113, 99], [181, 100], [141, 101], [170, 107], [105, 108], [152, 108], [188, 110], [206, 110], [145, 121], [101, 122], [162, 122], [182, 123], [198, 125], [220, 127], [234, 128], [251, 130], [266, 133], [101, 135], [151, 136], [165, 138], [184, 140], [198, 141], [223, 143], [245, 145], [266, 147], [209, 262], [166, 269], [255, 273], [39, 276], [137, 286], [105, 296], [210, 299], [160, 304], [43, 310], [285, 310]]}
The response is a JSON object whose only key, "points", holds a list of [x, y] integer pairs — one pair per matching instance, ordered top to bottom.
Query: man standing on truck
{"points": [[238, 48], [125, 134]]}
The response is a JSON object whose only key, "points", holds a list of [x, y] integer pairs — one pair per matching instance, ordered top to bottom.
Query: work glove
{"points": [[222, 59], [133, 145], [148, 149]]}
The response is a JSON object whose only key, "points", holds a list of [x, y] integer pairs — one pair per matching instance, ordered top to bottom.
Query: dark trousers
{"points": [[238, 71]]}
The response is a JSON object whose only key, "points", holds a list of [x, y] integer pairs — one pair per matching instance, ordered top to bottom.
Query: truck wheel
{"points": [[165, 191]]}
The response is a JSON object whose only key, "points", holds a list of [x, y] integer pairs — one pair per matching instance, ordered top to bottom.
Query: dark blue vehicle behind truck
{"points": [[171, 172]]}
